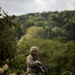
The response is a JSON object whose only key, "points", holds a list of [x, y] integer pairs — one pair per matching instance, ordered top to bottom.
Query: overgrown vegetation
{"points": [[52, 32]]}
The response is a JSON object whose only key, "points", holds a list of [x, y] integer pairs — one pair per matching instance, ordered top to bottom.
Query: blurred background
{"points": [[47, 24]]}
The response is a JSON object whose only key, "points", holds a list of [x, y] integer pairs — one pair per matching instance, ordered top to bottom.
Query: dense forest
{"points": [[50, 24], [52, 32]]}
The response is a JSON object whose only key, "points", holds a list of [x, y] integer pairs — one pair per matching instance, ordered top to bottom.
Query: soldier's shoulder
{"points": [[29, 56]]}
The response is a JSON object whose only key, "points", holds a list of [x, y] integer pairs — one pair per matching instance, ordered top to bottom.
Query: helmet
{"points": [[33, 48]]}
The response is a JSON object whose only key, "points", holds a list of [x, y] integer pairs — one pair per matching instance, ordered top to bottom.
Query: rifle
{"points": [[40, 66]]}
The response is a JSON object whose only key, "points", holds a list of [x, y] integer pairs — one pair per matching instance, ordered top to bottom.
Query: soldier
{"points": [[32, 62]]}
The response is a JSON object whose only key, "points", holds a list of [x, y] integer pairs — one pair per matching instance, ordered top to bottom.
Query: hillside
{"points": [[55, 24], [52, 32]]}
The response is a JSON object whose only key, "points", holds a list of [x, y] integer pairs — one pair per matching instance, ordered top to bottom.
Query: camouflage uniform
{"points": [[32, 65]]}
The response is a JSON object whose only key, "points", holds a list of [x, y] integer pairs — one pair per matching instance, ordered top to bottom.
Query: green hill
{"points": [[55, 24], [52, 32]]}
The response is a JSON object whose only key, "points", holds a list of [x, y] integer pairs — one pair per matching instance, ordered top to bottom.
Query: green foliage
{"points": [[64, 21], [35, 32], [52, 32], [8, 38], [23, 47], [56, 49], [55, 55], [18, 64], [66, 73]]}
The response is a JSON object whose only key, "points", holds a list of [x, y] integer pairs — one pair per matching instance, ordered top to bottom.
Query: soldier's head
{"points": [[33, 50]]}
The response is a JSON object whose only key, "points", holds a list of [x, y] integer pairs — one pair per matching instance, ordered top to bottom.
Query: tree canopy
{"points": [[8, 37]]}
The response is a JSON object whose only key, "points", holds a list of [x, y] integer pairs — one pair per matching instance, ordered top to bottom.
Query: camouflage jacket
{"points": [[32, 64]]}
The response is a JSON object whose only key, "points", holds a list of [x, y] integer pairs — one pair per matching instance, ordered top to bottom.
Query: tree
{"points": [[35, 32], [57, 32], [8, 38]]}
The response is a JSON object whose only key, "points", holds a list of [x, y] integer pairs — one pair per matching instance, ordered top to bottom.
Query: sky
{"points": [[20, 7]]}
